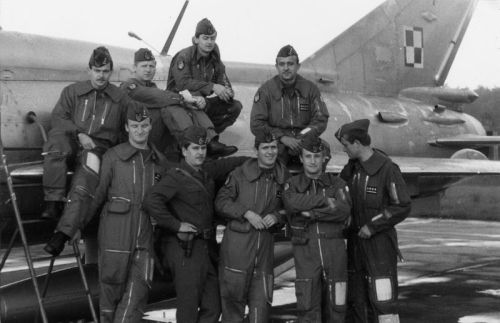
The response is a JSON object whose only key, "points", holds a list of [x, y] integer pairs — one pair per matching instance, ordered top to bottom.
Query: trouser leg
{"points": [[223, 114], [178, 118], [58, 151], [82, 191], [191, 276], [335, 282], [307, 283], [109, 296], [135, 297], [260, 297]]}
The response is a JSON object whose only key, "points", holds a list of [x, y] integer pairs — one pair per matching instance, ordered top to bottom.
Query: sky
{"points": [[248, 30]]}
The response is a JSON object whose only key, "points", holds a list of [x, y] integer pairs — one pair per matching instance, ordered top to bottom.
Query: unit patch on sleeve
{"points": [[414, 46], [180, 64], [256, 98]]}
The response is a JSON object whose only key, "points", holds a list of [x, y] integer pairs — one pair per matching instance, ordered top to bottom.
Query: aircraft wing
{"points": [[466, 141], [430, 166]]}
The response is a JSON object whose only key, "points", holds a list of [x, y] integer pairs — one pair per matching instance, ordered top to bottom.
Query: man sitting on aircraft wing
{"points": [[199, 69], [289, 106], [178, 111], [86, 121]]}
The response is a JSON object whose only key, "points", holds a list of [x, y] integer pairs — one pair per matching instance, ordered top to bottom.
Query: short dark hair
{"points": [[361, 136]]}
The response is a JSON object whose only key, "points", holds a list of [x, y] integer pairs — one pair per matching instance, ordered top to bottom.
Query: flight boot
{"points": [[216, 149], [52, 210], [56, 244]]}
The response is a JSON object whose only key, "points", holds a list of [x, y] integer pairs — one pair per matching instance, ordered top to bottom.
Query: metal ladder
{"points": [[29, 259]]}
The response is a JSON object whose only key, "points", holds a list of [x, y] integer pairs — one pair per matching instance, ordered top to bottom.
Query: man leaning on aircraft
{"points": [[199, 69], [289, 106], [178, 111], [86, 121]]}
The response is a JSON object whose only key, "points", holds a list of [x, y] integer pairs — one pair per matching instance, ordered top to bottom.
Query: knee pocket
{"points": [[114, 267], [234, 284], [383, 290], [303, 291], [337, 293]]}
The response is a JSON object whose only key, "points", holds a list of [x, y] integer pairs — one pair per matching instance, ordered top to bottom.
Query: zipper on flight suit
{"points": [[85, 109], [93, 114], [104, 114], [315, 191]]}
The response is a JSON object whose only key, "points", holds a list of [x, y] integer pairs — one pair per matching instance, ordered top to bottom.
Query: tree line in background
{"points": [[486, 108]]}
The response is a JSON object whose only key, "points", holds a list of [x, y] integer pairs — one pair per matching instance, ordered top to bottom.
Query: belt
{"points": [[205, 234]]}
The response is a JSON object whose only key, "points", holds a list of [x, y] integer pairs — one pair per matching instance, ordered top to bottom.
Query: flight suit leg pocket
{"points": [[114, 266], [234, 284], [268, 287], [303, 291], [337, 291]]}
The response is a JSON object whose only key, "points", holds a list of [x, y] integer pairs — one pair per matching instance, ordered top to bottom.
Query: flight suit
{"points": [[189, 70], [81, 109], [167, 110], [287, 111], [185, 195], [380, 200], [125, 231], [318, 245], [247, 255]]}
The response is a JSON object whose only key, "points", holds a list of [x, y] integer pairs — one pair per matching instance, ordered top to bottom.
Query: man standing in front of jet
{"points": [[199, 69], [288, 106], [380, 200], [319, 209]]}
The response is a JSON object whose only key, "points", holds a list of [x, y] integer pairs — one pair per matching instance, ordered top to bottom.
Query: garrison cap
{"points": [[204, 27], [286, 51], [143, 54], [100, 57], [137, 112], [357, 126], [194, 134], [264, 137], [313, 144]]}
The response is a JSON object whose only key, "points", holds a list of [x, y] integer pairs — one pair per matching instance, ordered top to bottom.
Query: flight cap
{"points": [[204, 27], [286, 51], [143, 54], [100, 57], [137, 112], [356, 127], [194, 134], [264, 137], [313, 144]]}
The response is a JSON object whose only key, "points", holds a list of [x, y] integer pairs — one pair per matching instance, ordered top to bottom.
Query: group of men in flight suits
{"points": [[117, 137]]}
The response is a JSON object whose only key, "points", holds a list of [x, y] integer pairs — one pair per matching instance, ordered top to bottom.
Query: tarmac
{"points": [[451, 273]]}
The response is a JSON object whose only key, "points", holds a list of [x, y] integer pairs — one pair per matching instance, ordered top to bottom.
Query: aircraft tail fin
{"points": [[400, 44]]}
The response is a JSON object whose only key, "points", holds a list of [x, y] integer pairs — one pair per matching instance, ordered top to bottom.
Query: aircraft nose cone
{"points": [[472, 96]]}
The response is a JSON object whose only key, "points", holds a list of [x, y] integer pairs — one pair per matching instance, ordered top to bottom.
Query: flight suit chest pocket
{"points": [[304, 111], [373, 195], [119, 205]]}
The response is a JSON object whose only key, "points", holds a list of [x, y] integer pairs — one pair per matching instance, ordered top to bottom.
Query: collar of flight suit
{"points": [[214, 54], [134, 80], [277, 89], [112, 91], [126, 151], [375, 162], [252, 171], [304, 182]]}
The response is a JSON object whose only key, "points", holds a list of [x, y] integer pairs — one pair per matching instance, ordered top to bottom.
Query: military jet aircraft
{"points": [[389, 67]]}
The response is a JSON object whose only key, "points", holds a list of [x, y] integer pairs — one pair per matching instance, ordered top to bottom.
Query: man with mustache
{"points": [[200, 70], [288, 106], [177, 111], [86, 121], [182, 205]]}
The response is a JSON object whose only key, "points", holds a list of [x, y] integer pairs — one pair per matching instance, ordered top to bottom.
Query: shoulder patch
{"points": [[180, 64], [132, 86], [256, 98]]}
